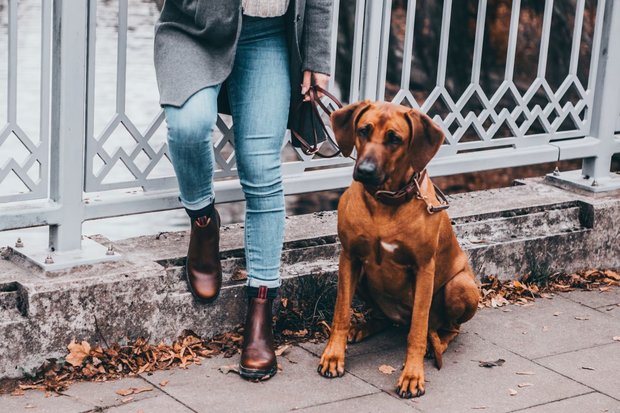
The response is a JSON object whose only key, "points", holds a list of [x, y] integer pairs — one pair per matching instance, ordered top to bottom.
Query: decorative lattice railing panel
{"points": [[24, 98], [507, 101], [126, 148]]}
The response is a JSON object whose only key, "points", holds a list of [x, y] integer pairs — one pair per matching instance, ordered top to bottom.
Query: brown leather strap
{"points": [[313, 105], [408, 192], [405, 194]]}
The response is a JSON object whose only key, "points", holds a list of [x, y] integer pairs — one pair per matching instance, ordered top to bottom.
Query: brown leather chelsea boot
{"points": [[203, 267], [258, 358]]}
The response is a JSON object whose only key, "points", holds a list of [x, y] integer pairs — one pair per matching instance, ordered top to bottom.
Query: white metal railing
{"points": [[74, 157]]}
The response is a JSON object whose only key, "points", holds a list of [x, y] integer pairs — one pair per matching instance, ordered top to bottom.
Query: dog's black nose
{"points": [[367, 169], [367, 172]]}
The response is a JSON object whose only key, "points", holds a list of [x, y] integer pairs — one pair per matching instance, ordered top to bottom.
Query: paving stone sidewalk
{"points": [[559, 355]]}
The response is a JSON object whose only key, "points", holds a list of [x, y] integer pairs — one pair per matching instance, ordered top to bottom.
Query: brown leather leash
{"points": [[313, 106]]}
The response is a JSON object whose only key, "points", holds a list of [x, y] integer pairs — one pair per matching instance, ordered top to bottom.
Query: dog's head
{"points": [[389, 139]]}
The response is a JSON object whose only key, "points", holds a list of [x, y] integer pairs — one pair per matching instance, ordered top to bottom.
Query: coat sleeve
{"points": [[317, 31]]}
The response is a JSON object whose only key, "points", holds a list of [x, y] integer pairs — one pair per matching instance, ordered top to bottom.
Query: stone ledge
{"points": [[528, 227]]}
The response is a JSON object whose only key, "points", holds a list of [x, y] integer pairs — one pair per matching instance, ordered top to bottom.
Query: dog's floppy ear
{"points": [[344, 121], [426, 139]]}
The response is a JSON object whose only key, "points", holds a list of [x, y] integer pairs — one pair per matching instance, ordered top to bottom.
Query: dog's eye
{"points": [[364, 131], [393, 139]]}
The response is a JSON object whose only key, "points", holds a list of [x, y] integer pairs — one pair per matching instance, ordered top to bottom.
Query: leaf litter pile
{"points": [[496, 293], [307, 320]]}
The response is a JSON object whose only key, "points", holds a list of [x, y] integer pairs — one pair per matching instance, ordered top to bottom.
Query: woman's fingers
{"points": [[316, 78], [321, 80], [305, 85]]}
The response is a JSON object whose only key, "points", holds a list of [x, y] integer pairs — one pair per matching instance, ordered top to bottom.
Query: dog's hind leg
{"points": [[460, 296], [454, 305]]}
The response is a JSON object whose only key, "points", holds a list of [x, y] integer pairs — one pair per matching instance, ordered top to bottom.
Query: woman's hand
{"points": [[316, 78]]}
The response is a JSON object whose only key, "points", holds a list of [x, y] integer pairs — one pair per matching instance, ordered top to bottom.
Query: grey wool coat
{"points": [[195, 43]]}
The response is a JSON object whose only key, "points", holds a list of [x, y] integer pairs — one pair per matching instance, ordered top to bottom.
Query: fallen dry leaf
{"points": [[612, 274], [239, 275], [557, 313], [582, 318], [298, 333], [616, 338], [282, 349], [77, 353], [490, 364], [231, 367], [587, 368], [386, 369], [525, 373], [163, 383], [521, 385], [31, 387], [141, 390], [18, 392], [124, 392], [512, 392], [127, 399]]}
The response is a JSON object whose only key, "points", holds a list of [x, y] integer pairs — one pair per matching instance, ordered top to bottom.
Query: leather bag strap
{"points": [[315, 105]]}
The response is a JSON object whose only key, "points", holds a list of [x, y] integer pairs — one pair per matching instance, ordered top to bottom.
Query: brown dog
{"points": [[399, 255]]}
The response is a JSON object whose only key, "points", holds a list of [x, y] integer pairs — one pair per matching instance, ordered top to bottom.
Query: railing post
{"points": [[371, 52], [606, 104], [68, 121], [595, 175]]}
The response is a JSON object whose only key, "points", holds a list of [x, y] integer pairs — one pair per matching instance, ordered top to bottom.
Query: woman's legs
{"points": [[259, 92], [191, 149]]}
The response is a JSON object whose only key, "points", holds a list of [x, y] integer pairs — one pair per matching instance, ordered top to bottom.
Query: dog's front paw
{"points": [[332, 361], [411, 382]]}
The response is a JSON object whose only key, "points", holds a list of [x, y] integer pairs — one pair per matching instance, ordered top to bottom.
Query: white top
{"points": [[264, 8]]}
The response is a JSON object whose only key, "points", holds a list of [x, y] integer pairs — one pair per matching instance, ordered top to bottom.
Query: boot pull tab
{"points": [[262, 292]]}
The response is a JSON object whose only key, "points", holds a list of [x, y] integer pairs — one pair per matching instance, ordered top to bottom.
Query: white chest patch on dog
{"points": [[388, 247]]}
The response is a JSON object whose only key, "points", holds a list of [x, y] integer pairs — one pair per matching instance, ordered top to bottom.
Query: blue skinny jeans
{"points": [[259, 95]]}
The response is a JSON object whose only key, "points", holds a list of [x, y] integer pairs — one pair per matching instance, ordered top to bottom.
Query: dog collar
{"points": [[408, 192]]}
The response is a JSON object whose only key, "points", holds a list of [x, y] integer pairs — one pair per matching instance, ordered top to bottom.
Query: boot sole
{"points": [[196, 296], [257, 374]]}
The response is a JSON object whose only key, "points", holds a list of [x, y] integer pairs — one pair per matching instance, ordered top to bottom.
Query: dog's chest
{"points": [[380, 250]]}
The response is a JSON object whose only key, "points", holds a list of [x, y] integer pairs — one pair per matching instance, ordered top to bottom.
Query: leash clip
{"points": [[430, 208]]}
